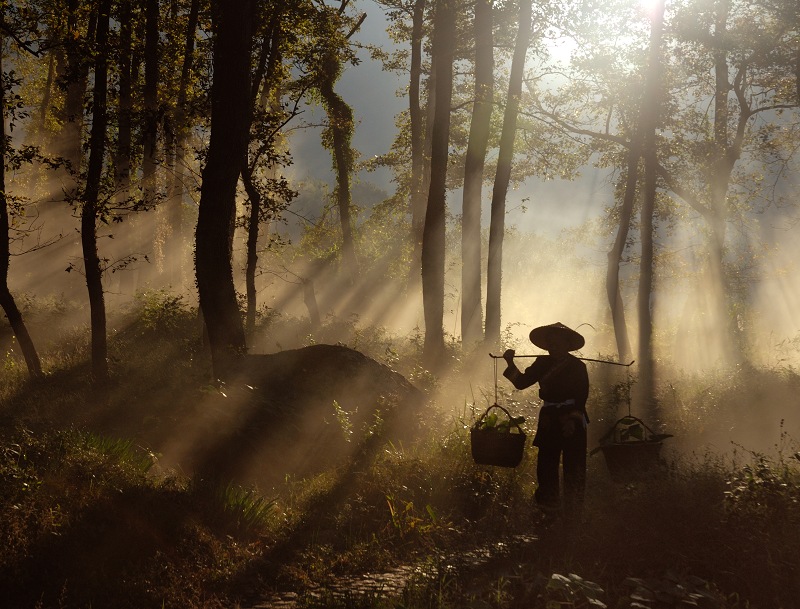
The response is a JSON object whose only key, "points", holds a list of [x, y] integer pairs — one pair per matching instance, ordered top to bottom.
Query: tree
{"points": [[333, 51], [740, 59], [650, 122], [230, 124], [181, 127], [503, 175], [417, 197], [92, 207], [433, 238], [7, 301], [471, 307]]}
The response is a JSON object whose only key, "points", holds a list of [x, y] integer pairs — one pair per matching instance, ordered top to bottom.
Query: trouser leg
{"points": [[575, 471], [547, 491]]}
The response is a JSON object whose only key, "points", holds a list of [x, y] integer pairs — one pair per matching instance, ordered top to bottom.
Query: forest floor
{"points": [[334, 477]]}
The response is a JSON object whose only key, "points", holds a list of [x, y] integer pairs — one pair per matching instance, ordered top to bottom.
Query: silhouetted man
{"points": [[561, 430]]}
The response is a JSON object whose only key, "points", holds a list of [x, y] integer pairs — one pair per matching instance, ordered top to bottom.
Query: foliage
{"points": [[163, 312], [494, 422], [765, 489], [82, 508], [572, 591], [671, 591]]}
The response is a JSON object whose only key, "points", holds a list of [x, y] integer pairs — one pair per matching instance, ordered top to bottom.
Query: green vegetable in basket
{"points": [[491, 422]]}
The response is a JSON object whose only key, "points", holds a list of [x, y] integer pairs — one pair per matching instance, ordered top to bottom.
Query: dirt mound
{"points": [[298, 412]]}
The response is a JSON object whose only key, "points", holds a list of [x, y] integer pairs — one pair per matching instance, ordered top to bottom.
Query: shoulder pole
{"points": [[586, 359]]}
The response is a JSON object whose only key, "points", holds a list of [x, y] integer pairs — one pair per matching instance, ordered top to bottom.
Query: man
{"points": [[561, 430]]}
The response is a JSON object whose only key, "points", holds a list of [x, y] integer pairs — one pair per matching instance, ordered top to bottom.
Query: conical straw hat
{"points": [[545, 337]]}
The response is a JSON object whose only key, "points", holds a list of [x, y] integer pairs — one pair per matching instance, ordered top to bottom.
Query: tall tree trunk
{"points": [[75, 77], [264, 77], [47, 94], [650, 119], [417, 120], [230, 125], [340, 125], [150, 128], [124, 144], [122, 154], [179, 174], [502, 178], [91, 205], [433, 237], [251, 264], [613, 291], [7, 301], [471, 306], [720, 314]]}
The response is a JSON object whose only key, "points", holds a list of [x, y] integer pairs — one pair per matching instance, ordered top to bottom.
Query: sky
{"points": [[377, 97]]}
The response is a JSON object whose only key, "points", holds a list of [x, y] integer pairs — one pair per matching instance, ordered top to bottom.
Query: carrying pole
{"points": [[586, 359]]}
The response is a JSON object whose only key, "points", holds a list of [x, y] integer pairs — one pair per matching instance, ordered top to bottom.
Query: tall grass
{"points": [[89, 517]]}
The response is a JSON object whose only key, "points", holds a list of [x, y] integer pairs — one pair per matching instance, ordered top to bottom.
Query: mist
{"points": [[555, 256]]}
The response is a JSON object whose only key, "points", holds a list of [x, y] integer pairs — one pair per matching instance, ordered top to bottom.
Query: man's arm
{"points": [[520, 380]]}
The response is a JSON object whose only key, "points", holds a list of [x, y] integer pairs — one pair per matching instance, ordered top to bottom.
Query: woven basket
{"points": [[490, 447], [629, 457]]}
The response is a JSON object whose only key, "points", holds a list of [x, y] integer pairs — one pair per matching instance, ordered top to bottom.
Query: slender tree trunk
{"points": [[268, 62], [74, 77], [47, 94], [651, 114], [416, 118], [340, 123], [230, 125], [150, 128], [124, 144], [122, 156], [179, 175], [503, 175], [91, 206], [433, 238], [252, 250], [613, 292], [720, 295], [310, 300], [7, 301], [471, 306]]}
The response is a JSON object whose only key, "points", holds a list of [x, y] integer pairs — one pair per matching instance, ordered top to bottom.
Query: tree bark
{"points": [[74, 75], [264, 77], [650, 118], [417, 120], [150, 122], [230, 124], [340, 124], [122, 156], [179, 174], [719, 177], [502, 178], [91, 205], [433, 237], [251, 264], [613, 292], [7, 301], [471, 306]]}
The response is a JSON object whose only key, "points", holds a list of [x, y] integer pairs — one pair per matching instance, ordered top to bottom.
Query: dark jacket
{"points": [[560, 379]]}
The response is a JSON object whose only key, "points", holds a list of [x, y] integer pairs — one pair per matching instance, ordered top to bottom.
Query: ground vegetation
{"points": [[99, 509]]}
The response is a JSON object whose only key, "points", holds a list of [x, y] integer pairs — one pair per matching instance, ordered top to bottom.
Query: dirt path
{"points": [[391, 583]]}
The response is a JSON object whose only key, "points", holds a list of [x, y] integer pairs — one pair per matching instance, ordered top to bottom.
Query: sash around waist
{"points": [[569, 402]]}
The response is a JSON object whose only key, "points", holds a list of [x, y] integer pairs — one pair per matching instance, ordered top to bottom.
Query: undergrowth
{"points": [[91, 517]]}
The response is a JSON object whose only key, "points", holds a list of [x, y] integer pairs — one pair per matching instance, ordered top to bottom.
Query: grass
{"points": [[90, 517]]}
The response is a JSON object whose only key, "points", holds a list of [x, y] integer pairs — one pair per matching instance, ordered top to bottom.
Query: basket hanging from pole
{"points": [[493, 447], [631, 449]]}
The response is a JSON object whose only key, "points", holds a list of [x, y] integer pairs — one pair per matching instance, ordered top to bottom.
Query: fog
{"points": [[554, 268]]}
